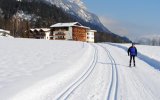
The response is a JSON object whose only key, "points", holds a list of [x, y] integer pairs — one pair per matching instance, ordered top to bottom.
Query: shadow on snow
{"points": [[154, 63]]}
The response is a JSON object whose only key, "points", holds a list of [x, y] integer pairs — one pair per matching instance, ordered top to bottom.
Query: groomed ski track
{"points": [[115, 82], [113, 85], [110, 90], [65, 94]]}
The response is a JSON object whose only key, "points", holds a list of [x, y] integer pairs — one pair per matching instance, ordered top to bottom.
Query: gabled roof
{"points": [[66, 24], [84, 27], [40, 29], [45, 29]]}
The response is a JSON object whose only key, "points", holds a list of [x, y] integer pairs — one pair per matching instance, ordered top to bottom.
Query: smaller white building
{"points": [[4, 33], [40, 33], [90, 35]]}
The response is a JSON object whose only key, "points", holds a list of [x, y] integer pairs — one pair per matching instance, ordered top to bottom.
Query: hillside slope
{"points": [[21, 16]]}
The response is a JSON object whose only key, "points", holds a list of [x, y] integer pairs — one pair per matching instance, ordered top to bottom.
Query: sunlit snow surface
{"points": [[43, 70]]}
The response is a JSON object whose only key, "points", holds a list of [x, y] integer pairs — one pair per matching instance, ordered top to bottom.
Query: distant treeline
{"points": [[110, 37], [152, 40]]}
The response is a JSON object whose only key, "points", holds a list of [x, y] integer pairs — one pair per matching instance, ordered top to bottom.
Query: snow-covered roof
{"points": [[68, 25], [84, 27], [32, 29], [39, 29], [45, 29], [4, 31], [92, 31]]}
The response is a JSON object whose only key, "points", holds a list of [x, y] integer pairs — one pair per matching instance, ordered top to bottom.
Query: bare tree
{"points": [[153, 41], [159, 41]]}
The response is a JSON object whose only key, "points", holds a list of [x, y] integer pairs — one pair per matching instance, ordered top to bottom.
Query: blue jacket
{"points": [[132, 51]]}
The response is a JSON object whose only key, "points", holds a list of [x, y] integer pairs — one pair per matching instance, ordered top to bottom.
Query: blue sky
{"points": [[131, 18]]}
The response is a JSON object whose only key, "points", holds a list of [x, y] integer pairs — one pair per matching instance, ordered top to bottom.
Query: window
{"points": [[51, 34], [61, 37], [51, 38]]}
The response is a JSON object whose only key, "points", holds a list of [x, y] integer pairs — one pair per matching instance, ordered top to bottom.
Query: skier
{"points": [[132, 52]]}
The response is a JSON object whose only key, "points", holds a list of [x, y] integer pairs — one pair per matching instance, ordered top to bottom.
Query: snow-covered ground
{"points": [[151, 51], [149, 54], [58, 70]]}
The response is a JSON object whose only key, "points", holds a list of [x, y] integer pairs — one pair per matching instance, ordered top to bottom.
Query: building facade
{"points": [[64, 31], [71, 31], [39, 33], [91, 35]]}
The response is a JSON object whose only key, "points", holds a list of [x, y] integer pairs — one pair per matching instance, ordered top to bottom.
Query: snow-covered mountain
{"points": [[78, 9]]}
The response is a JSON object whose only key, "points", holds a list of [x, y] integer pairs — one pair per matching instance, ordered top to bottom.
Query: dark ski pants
{"points": [[132, 57]]}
